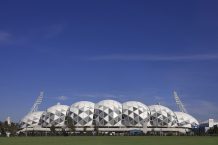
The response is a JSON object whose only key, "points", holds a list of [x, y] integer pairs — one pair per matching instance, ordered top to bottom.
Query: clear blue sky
{"points": [[122, 50]]}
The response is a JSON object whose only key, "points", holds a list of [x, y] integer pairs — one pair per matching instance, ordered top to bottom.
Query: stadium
{"points": [[110, 116]]}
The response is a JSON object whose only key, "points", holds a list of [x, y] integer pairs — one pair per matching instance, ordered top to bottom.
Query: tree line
{"points": [[12, 128], [70, 129]]}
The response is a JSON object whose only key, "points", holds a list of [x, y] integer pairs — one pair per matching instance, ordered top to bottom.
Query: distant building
{"points": [[8, 120], [208, 124]]}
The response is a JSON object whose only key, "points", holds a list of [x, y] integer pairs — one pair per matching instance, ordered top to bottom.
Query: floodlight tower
{"points": [[179, 102], [37, 103]]}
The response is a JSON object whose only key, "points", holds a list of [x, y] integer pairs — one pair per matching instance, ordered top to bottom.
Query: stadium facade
{"points": [[110, 115]]}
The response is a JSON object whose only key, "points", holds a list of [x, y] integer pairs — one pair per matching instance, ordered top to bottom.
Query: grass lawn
{"points": [[110, 140]]}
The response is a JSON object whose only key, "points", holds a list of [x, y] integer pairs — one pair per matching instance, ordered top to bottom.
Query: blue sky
{"points": [[122, 50]]}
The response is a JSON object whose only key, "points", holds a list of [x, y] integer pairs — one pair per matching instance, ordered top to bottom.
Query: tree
{"points": [[70, 124], [12, 128], [52, 128], [84, 128], [2, 129], [96, 129], [215, 129], [64, 133]]}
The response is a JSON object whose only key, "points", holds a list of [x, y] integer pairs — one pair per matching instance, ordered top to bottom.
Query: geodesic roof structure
{"points": [[82, 113], [108, 113], [135, 114], [55, 115], [162, 116], [31, 120], [185, 120]]}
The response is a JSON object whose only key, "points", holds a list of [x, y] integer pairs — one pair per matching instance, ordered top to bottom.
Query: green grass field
{"points": [[113, 140]]}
